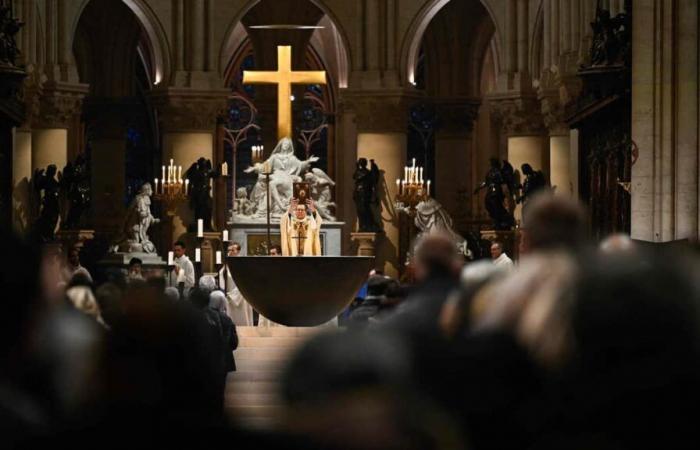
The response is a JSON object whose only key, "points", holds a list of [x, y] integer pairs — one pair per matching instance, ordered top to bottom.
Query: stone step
{"points": [[280, 331], [262, 341], [262, 353], [246, 374], [250, 387], [253, 399]]}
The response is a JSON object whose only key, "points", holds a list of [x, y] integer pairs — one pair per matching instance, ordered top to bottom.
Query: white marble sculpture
{"points": [[285, 169], [431, 216], [138, 220]]}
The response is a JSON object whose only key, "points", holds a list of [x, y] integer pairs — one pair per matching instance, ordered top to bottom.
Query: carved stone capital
{"points": [[54, 104], [189, 109], [379, 111], [553, 112], [518, 115], [456, 116]]}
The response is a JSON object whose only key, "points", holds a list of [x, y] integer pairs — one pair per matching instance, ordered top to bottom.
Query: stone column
{"points": [[665, 117], [109, 118], [188, 123], [382, 123], [559, 141], [453, 147], [21, 178]]}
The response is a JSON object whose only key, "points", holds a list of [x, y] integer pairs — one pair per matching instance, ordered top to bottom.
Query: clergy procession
{"points": [[349, 225]]}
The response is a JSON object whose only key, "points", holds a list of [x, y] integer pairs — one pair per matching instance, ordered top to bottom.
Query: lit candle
{"points": [[171, 162], [414, 162], [420, 171], [170, 172], [179, 172], [405, 173], [163, 174], [187, 184], [156, 185], [398, 185], [428, 188], [200, 228], [225, 237], [197, 255], [218, 257], [171, 259]]}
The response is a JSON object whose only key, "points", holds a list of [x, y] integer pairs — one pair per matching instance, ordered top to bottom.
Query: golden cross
{"points": [[284, 77]]}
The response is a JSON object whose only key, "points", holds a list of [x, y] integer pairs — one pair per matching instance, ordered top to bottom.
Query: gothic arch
{"points": [[236, 34], [157, 41], [412, 42], [537, 43]]}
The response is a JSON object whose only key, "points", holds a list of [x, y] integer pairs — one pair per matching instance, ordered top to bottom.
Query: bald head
{"points": [[618, 243]]}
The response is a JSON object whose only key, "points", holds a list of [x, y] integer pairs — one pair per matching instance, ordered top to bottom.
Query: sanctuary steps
{"points": [[252, 397]]}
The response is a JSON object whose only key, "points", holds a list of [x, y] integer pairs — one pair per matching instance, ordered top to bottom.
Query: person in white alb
{"points": [[499, 257], [183, 272], [239, 310]]}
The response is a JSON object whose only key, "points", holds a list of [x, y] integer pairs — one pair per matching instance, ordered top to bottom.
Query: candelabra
{"points": [[171, 189], [412, 189]]}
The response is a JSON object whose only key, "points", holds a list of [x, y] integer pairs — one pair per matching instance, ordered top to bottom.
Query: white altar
{"points": [[252, 235]]}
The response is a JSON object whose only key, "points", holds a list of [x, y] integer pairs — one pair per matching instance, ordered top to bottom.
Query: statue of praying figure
{"points": [[495, 197], [138, 220], [300, 230]]}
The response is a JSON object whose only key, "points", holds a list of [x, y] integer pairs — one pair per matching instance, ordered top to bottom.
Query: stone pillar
{"points": [[665, 117], [109, 118], [188, 121], [382, 123], [453, 147], [559, 165], [21, 178]]}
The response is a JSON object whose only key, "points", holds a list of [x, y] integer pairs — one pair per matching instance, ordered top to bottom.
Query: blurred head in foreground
{"points": [[551, 223], [435, 256]]}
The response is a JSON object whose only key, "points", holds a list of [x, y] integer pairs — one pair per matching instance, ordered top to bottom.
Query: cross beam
{"points": [[284, 77]]}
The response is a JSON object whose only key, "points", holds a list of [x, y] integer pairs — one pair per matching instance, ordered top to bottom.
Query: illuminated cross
{"points": [[284, 77]]}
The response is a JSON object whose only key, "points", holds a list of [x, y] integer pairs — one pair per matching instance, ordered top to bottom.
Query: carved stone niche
{"points": [[189, 109]]}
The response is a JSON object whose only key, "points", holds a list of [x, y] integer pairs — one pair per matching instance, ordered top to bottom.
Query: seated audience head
{"points": [[553, 222], [618, 243], [234, 249], [276, 250], [436, 256], [74, 257], [135, 268], [207, 283], [377, 285], [172, 294], [199, 297], [109, 300], [217, 301]]}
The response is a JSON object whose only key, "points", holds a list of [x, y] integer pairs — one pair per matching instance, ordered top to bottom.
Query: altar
{"points": [[252, 235]]}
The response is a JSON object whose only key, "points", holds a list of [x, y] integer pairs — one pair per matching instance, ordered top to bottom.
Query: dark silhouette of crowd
{"points": [[583, 345]]}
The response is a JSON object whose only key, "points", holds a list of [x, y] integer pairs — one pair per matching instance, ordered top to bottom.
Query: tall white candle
{"points": [[414, 163], [179, 172], [421, 175], [163, 177], [155, 182], [187, 184], [428, 188], [200, 228], [225, 236], [197, 255], [218, 257], [171, 258]]}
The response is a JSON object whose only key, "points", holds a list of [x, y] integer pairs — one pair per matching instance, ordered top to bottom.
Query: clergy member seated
{"points": [[300, 229]]}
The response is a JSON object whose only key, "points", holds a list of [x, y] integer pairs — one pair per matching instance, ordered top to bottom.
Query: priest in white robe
{"points": [[300, 230], [238, 309]]}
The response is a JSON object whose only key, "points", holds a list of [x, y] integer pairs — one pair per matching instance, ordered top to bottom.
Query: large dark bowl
{"points": [[299, 291]]}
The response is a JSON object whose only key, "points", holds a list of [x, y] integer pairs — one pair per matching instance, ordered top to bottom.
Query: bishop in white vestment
{"points": [[300, 230]]}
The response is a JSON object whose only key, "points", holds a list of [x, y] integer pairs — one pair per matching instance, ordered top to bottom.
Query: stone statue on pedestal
{"points": [[200, 175], [75, 182], [494, 182], [535, 182], [45, 183], [321, 185], [367, 196], [138, 220]]}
